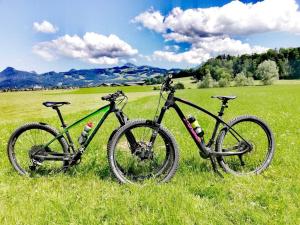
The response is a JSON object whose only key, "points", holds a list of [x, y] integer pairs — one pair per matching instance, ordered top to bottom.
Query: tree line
{"points": [[227, 67]]}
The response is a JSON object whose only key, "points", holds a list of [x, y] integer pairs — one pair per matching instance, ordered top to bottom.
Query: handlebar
{"points": [[113, 97]]}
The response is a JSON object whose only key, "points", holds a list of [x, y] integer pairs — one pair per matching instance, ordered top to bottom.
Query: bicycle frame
{"points": [[107, 109], [206, 149]]}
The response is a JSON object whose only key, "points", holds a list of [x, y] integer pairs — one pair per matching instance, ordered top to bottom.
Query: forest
{"points": [[287, 61]]}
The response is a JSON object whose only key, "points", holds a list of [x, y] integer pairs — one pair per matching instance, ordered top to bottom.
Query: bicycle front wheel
{"points": [[254, 139], [141, 159]]}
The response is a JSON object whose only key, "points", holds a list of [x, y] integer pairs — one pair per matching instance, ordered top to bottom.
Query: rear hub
{"points": [[36, 151]]}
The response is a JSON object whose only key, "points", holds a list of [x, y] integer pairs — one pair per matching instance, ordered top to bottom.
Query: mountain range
{"points": [[11, 78]]}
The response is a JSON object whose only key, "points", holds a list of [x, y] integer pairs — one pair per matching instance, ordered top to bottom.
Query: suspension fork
{"points": [[169, 103], [157, 122], [129, 136]]}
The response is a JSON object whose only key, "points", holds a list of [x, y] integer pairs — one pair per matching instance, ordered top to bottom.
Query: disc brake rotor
{"points": [[143, 151]]}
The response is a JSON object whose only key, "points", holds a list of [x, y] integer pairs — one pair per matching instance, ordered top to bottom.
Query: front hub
{"points": [[143, 151]]}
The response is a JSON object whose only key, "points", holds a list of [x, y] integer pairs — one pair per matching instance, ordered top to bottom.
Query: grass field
{"points": [[88, 195]]}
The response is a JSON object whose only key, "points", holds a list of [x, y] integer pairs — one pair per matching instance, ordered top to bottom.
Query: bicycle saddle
{"points": [[224, 98], [55, 104]]}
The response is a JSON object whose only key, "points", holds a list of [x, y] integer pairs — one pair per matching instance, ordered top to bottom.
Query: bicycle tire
{"points": [[28, 127], [270, 148], [170, 164]]}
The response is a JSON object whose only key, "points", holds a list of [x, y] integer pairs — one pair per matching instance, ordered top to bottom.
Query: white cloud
{"points": [[234, 18], [151, 19], [44, 27], [212, 31], [92, 47], [207, 48]]}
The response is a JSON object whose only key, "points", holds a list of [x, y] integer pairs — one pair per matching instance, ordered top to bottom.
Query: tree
{"points": [[286, 59], [284, 68], [267, 72], [242, 80], [207, 82], [179, 85]]}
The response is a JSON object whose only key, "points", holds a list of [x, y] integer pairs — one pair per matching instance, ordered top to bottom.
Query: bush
{"points": [[267, 72], [242, 80], [207, 82], [223, 82], [179, 85], [155, 88]]}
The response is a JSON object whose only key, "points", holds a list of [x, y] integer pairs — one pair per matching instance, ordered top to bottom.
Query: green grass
{"points": [[187, 81], [88, 195]]}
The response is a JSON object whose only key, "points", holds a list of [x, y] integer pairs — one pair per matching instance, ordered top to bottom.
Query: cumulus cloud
{"points": [[234, 18], [151, 19], [44, 27], [211, 31], [92, 47], [207, 48]]}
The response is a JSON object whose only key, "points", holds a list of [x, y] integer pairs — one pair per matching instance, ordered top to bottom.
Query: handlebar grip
{"points": [[106, 97], [112, 97]]}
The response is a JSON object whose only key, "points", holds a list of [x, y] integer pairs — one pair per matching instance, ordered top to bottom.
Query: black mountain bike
{"points": [[244, 145], [38, 148]]}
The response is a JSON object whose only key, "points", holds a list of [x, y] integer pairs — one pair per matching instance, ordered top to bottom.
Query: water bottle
{"points": [[197, 128], [84, 134]]}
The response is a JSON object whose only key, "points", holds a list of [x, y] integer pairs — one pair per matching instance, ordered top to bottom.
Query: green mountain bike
{"points": [[38, 148]]}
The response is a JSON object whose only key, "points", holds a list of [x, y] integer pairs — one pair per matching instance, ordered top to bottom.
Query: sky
{"points": [[60, 35]]}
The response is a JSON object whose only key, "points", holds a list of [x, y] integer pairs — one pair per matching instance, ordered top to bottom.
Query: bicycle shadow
{"points": [[195, 165], [93, 167], [101, 169]]}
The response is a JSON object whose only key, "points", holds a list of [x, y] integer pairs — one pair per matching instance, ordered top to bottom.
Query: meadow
{"points": [[88, 194]]}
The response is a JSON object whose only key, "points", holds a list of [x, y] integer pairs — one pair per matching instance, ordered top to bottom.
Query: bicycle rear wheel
{"points": [[27, 142], [258, 144], [142, 160]]}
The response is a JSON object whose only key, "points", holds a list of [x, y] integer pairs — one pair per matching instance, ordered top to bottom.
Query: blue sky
{"points": [[182, 33]]}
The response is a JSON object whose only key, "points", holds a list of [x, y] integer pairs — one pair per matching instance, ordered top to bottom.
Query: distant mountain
{"points": [[16, 79]]}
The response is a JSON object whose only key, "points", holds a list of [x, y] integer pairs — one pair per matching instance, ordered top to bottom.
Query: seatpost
{"points": [[223, 107], [60, 117]]}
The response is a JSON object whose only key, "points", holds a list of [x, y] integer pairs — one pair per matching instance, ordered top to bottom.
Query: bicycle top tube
{"points": [[103, 109]]}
